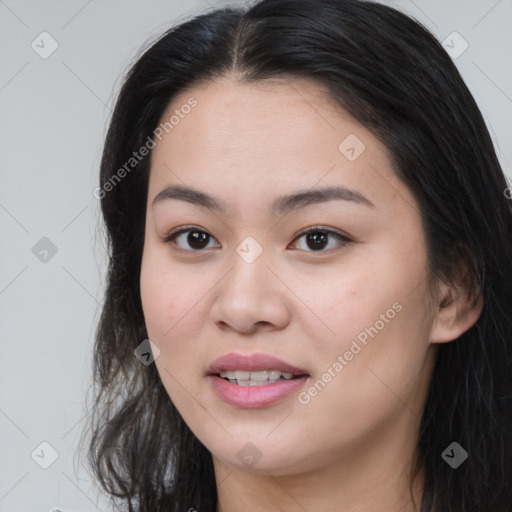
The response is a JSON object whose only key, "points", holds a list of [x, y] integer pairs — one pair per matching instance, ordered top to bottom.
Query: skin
{"points": [[350, 448]]}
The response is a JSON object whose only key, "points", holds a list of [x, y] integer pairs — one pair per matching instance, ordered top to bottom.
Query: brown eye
{"points": [[195, 238], [317, 239]]}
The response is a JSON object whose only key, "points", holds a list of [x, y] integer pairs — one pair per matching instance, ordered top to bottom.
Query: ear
{"points": [[458, 310]]}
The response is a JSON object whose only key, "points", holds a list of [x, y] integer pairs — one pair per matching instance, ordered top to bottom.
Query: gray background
{"points": [[54, 115]]}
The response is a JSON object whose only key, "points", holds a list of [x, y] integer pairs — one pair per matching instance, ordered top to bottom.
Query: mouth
{"points": [[254, 369], [257, 378], [248, 393]]}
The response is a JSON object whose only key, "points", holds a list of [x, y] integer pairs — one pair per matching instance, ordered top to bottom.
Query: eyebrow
{"points": [[280, 206]]}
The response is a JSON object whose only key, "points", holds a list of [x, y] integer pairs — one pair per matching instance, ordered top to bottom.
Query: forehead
{"points": [[293, 109], [264, 138]]}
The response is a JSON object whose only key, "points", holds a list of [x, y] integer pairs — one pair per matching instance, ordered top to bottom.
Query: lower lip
{"points": [[255, 396]]}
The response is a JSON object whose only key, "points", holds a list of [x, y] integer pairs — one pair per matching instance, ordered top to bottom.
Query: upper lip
{"points": [[252, 362]]}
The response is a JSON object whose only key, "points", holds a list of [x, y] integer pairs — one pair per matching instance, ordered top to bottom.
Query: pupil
{"points": [[196, 238], [319, 239]]}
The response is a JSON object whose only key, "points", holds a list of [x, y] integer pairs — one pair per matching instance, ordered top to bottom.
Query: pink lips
{"points": [[254, 396], [250, 397]]}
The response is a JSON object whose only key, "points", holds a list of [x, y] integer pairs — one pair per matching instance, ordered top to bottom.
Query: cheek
{"points": [[166, 294], [158, 301], [345, 304], [168, 307], [174, 308], [373, 322], [378, 357]]}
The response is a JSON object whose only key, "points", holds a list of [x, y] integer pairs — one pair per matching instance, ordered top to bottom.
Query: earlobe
{"points": [[456, 313]]}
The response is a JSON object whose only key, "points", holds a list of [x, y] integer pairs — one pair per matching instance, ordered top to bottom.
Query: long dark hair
{"points": [[394, 77]]}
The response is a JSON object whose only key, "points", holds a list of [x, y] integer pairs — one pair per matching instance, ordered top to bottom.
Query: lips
{"points": [[252, 362]]}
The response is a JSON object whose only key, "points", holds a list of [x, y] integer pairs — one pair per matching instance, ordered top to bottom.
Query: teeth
{"points": [[274, 374], [242, 375], [259, 376], [253, 382]]}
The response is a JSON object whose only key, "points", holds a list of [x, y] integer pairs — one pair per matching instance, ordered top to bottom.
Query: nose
{"points": [[250, 297]]}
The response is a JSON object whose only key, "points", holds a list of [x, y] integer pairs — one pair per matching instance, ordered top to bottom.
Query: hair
{"points": [[392, 75]]}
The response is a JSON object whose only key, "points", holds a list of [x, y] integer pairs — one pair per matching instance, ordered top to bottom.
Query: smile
{"points": [[255, 378]]}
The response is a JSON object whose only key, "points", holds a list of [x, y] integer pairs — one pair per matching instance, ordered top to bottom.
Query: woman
{"points": [[307, 218]]}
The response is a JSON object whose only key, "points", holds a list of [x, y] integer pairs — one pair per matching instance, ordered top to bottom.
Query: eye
{"points": [[196, 238], [317, 238]]}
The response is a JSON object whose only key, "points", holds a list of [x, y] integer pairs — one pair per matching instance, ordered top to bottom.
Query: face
{"points": [[331, 284]]}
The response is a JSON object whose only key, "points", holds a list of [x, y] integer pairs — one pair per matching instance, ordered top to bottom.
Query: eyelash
{"points": [[344, 240]]}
